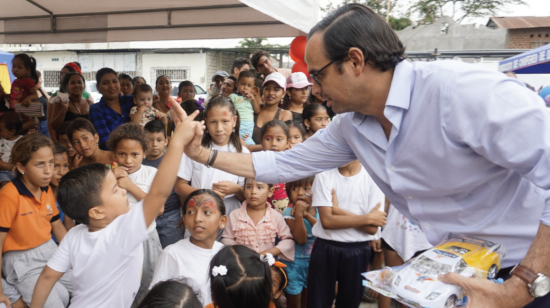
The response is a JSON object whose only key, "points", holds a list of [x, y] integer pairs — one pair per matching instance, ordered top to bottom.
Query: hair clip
{"points": [[267, 257], [219, 270]]}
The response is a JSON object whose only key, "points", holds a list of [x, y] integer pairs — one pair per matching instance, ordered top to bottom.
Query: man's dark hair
{"points": [[355, 25], [255, 58], [238, 63], [185, 83], [12, 121], [80, 124], [155, 126], [80, 190]]}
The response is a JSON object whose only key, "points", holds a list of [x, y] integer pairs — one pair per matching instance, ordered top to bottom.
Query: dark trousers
{"points": [[333, 262], [541, 302]]}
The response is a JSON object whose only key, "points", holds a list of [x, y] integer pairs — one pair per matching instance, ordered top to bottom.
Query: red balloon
{"points": [[298, 47], [292, 56], [300, 66]]}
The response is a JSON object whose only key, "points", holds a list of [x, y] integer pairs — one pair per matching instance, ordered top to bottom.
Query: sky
{"points": [[532, 8]]}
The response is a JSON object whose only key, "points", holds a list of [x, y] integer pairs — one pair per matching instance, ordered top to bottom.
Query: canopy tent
{"points": [[78, 21], [535, 61], [6, 77]]}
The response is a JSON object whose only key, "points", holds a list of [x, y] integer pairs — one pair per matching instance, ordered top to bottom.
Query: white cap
{"points": [[278, 78], [298, 81]]}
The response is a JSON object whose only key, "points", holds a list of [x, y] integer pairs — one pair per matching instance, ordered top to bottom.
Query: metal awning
{"points": [[79, 21]]}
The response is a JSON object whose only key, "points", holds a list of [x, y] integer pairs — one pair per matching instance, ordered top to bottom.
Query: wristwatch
{"points": [[537, 283]]}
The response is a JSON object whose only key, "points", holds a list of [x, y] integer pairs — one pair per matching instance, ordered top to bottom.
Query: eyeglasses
{"points": [[315, 76]]}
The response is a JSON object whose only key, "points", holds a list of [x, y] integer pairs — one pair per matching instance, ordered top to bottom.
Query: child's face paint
{"points": [[275, 139], [83, 142], [203, 220]]}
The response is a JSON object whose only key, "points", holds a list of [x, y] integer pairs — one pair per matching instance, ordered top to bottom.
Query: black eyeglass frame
{"points": [[314, 75]]}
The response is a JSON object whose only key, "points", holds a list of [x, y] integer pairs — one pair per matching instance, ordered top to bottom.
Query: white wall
{"points": [[46, 60], [195, 62]]}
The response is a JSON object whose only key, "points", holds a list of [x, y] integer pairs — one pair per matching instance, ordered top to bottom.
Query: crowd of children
{"points": [[109, 212]]}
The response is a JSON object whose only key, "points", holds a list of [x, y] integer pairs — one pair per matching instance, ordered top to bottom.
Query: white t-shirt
{"points": [[5, 148], [202, 176], [143, 178], [357, 194], [405, 237], [186, 260], [106, 264]]}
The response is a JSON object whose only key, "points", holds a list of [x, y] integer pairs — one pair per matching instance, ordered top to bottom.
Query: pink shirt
{"points": [[240, 230]]}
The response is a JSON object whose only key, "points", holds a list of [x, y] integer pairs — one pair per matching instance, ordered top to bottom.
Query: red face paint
{"points": [[225, 113], [268, 137], [191, 203], [209, 204]]}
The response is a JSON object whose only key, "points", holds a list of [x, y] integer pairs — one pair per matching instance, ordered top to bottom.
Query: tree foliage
{"points": [[378, 6], [429, 10], [258, 43]]}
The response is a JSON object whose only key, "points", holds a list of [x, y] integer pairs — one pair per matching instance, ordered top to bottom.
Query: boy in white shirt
{"points": [[349, 204], [106, 251]]}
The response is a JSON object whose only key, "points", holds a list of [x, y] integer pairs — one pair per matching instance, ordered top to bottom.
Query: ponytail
{"points": [[29, 63]]}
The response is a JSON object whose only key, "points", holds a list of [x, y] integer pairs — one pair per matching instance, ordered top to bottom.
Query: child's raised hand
{"points": [[76, 160], [120, 172], [226, 187], [221, 194], [299, 208]]}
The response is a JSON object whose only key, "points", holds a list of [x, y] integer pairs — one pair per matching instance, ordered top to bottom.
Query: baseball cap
{"points": [[223, 74], [278, 78], [298, 80]]}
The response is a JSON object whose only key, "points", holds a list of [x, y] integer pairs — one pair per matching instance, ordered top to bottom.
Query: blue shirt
{"points": [[105, 119], [468, 152], [303, 251]]}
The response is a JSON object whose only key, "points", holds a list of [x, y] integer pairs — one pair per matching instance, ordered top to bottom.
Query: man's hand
{"points": [[226, 187], [377, 217], [483, 293]]}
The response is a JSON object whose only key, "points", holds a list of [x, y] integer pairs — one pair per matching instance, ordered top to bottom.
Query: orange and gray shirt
{"points": [[26, 219]]}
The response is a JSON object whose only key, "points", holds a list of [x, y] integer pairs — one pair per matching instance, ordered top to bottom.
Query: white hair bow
{"points": [[268, 258], [219, 270]]}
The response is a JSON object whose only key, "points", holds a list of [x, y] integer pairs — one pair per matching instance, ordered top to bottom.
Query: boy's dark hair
{"points": [[355, 25], [255, 58], [29, 63], [238, 63], [101, 73], [246, 74], [125, 76], [67, 79], [185, 83], [259, 83], [145, 88], [220, 101], [190, 106], [309, 111], [12, 121], [274, 123], [80, 124], [298, 125], [155, 126], [62, 129], [128, 131], [58, 149], [290, 185], [80, 190], [217, 198], [247, 282], [171, 294]]}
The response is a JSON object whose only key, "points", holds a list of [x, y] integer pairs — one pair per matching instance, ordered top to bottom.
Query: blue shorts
{"points": [[245, 130], [6, 176], [297, 275]]}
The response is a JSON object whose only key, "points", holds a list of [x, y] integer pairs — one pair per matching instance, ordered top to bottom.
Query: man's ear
{"points": [[357, 60], [96, 213]]}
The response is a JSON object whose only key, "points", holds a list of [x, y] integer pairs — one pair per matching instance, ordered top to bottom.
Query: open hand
{"points": [[483, 293]]}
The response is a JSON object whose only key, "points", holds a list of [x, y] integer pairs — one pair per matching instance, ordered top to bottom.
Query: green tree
{"points": [[380, 7], [429, 10], [258, 43]]}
